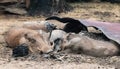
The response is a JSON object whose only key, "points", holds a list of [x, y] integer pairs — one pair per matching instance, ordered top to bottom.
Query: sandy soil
{"points": [[92, 11]]}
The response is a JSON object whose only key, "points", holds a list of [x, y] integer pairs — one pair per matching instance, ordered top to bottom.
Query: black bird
{"points": [[72, 25], [20, 51]]}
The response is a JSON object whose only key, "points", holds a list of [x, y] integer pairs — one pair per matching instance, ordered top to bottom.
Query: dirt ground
{"points": [[92, 11]]}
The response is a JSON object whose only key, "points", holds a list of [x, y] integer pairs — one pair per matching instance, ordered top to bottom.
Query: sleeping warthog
{"points": [[56, 37], [32, 38], [78, 43]]}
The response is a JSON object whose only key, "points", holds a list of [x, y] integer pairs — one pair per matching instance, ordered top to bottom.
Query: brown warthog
{"points": [[32, 38], [83, 44]]}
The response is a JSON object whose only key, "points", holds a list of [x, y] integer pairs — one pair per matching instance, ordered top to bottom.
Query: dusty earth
{"points": [[92, 11]]}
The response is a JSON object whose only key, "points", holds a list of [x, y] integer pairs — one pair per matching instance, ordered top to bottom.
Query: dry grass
{"points": [[93, 11]]}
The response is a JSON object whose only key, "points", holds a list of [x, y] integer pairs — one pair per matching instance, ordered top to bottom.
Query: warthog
{"points": [[56, 37], [32, 38], [82, 44]]}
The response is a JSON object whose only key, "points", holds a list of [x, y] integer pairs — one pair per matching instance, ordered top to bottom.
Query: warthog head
{"points": [[32, 38], [36, 42]]}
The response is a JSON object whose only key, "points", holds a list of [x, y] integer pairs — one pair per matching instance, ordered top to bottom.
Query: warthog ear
{"points": [[66, 36], [30, 39]]}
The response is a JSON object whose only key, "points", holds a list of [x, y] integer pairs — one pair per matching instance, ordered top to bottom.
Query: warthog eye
{"points": [[29, 38], [32, 40], [51, 43]]}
